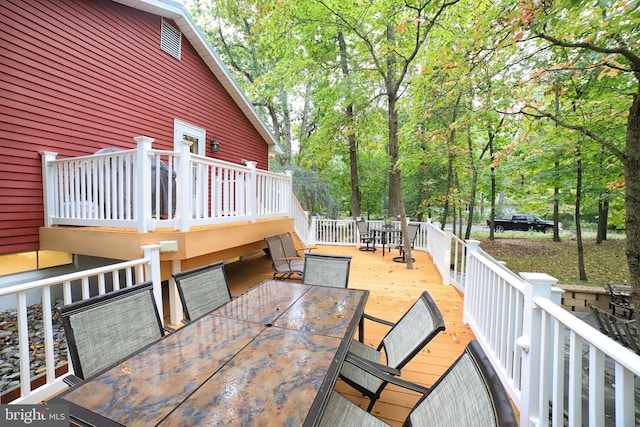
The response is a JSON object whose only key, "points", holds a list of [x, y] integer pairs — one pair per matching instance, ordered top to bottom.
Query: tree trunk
{"points": [[391, 88], [304, 121], [286, 123], [353, 145], [394, 172], [474, 185], [556, 189], [493, 194], [632, 199], [445, 209], [556, 212], [603, 214], [454, 218], [405, 232], [581, 267]]}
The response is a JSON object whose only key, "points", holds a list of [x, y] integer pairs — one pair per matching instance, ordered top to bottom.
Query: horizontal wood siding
{"points": [[77, 76]]}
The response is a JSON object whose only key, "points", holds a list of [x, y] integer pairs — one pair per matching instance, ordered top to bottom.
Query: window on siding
{"points": [[170, 39]]}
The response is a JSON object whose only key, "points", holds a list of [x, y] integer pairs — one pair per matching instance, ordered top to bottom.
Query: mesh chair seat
{"points": [[289, 267], [326, 270], [202, 289], [419, 325], [106, 329], [352, 373], [468, 394], [460, 395], [341, 412]]}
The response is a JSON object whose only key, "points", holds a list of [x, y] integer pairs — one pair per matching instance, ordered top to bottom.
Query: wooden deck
{"points": [[393, 289]]}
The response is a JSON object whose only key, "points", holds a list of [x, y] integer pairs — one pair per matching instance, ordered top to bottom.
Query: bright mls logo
{"points": [[34, 415]]}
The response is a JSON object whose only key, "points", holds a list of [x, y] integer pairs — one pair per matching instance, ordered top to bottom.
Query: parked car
{"points": [[521, 222]]}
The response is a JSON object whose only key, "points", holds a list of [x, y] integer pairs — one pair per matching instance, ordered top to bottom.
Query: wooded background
{"points": [[455, 110]]}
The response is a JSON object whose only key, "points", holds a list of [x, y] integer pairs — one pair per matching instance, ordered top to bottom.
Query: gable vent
{"points": [[170, 39]]}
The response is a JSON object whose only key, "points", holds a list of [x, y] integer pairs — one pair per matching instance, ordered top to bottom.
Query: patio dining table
{"points": [[384, 236], [271, 356]]}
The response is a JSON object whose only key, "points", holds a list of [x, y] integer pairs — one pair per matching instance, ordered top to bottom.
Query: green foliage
{"points": [[465, 88], [313, 194]]}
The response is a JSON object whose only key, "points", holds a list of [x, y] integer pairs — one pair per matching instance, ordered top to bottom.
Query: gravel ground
{"points": [[9, 357]]}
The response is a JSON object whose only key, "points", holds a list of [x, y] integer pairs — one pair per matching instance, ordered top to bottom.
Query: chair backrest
{"points": [[363, 228], [412, 231], [276, 250], [290, 250], [326, 270], [202, 289], [106, 329], [622, 330], [413, 331], [468, 394]]}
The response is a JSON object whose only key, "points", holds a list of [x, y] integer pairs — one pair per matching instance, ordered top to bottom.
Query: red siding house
{"points": [[78, 76]]}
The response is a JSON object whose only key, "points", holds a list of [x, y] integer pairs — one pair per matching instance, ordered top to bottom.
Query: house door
{"points": [[191, 133], [197, 137]]}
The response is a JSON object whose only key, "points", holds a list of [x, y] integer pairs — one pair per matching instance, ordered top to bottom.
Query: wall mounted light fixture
{"points": [[215, 145]]}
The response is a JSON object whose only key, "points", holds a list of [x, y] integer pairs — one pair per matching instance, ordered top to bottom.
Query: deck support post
{"points": [[175, 305]]}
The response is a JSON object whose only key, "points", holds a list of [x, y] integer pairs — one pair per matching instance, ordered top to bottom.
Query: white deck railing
{"points": [[148, 189], [301, 222], [344, 232], [439, 247], [72, 287], [537, 348]]}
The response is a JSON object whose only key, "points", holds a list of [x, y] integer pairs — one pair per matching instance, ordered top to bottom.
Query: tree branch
{"points": [[633, 58], [582, 129]]}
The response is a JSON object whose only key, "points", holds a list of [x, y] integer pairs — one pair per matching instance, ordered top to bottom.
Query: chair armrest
{"points": [[373, 319], [377, 319], [368, 367], [384, 368], [71, 380]]}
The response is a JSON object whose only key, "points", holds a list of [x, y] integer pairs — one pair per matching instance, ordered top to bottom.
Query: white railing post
{"points": [[48, 185], [184, 185], [252, 185], [142, 189], [285, 194], [311, 235], [430, 237], [446, 256], [152, 273], [470, 279], [537, 285], [23, 345]]}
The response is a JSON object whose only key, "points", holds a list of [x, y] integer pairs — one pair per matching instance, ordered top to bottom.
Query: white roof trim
{"points": [[177, 12]]}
